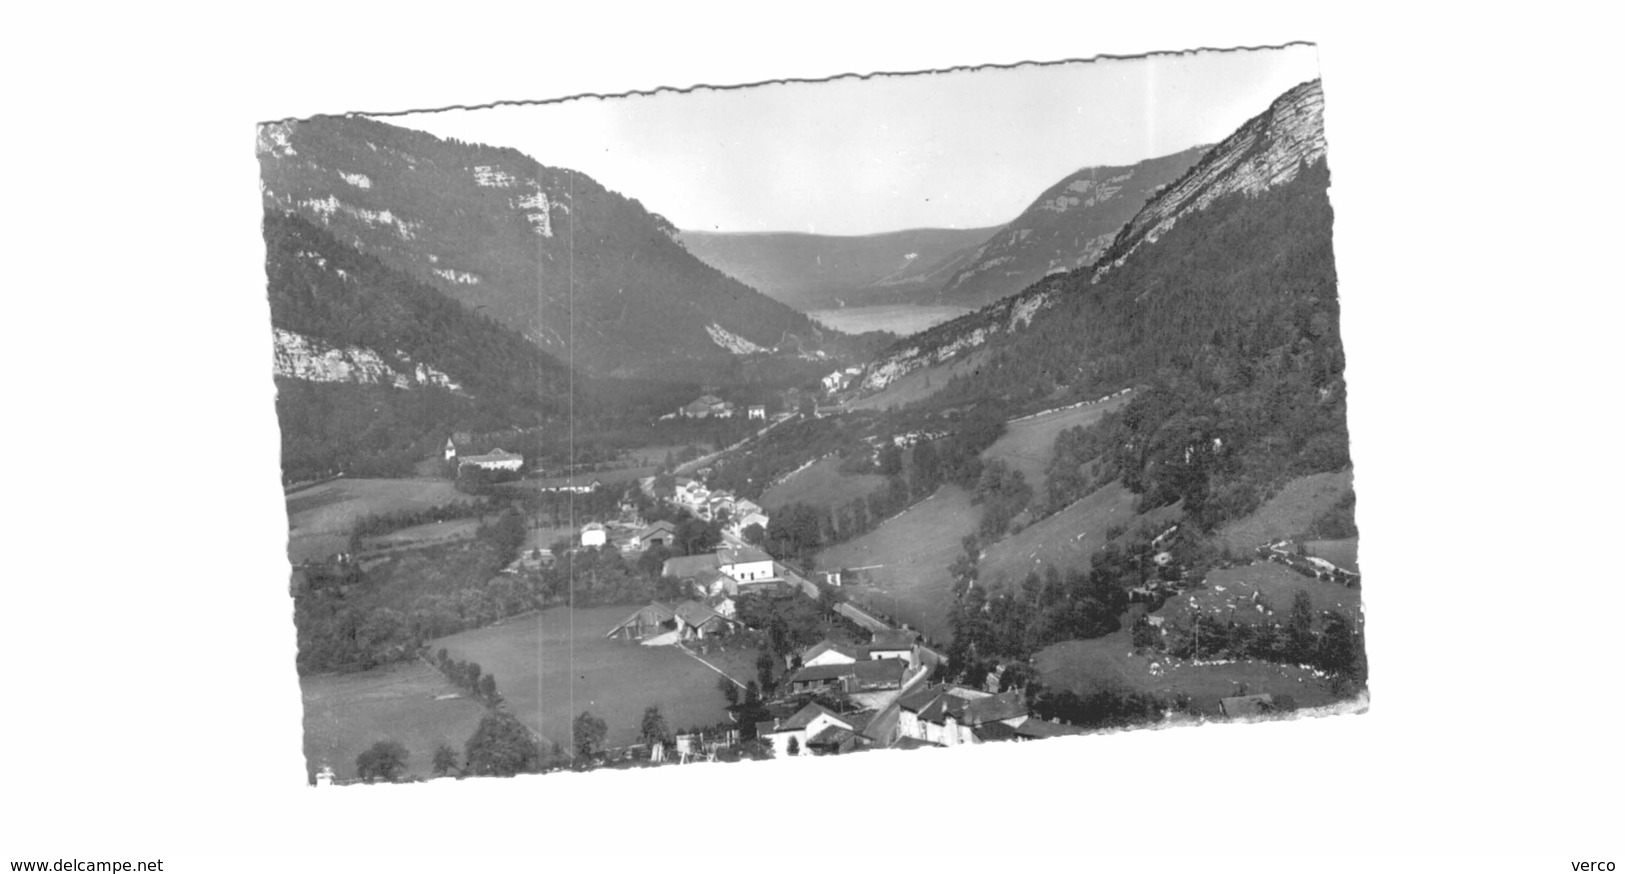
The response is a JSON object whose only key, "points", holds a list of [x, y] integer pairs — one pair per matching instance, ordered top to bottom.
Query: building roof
{"points": [[497, 454], [593, 526], [656, 528], [741, 554], [688, 565], [652, 613], [695, 613], [893, 638], [827, 645], [879, 671], [824, 673], [994, 708], [806, 715], [1034, 727], [994, 731], [831, 736], [912, 743]]}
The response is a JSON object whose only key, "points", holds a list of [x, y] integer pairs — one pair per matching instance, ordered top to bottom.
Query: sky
{"points": [[962, 149]]}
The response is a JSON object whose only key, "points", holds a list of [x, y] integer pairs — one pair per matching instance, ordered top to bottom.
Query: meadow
{"points": [[1029, 444], [822, 485], [1289, 512], [320, 518], [1067, 539], [913, 551], [1082, 665], [550, 666], [347, 713]]}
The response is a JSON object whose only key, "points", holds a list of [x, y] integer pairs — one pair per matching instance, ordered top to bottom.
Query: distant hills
{"points": [[1067, 227], [818, 272], [587, 274], [1075, 327]]}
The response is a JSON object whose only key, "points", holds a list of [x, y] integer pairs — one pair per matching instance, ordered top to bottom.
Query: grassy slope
{"points": [[920, 384], [1029, 444], [821, 485], [1289, 512], [319, 518], [1068, 538], [915, 549], [1229, 594], [1081, 664], [347, 713]]}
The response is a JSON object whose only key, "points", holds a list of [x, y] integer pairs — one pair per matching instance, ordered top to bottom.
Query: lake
{"points": [[900, 319]]}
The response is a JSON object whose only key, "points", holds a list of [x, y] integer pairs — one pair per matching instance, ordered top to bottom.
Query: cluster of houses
{"points": [[840, 379], [710, 406], [496, 459], [703, 503], [904, 711]]}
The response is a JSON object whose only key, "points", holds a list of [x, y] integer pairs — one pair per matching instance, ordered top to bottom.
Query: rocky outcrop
{"points": [[1266, 151], [1067, 227], [309, 359]]}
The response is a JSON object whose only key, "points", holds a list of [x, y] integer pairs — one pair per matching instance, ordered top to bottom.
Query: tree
{"points": [[754, 534], [1300, 628], [764, 671], [488, 688], [729, 690], [654, 729], [588, 733], [502, 746], [793, 747], [445, 759], [384, 760]]}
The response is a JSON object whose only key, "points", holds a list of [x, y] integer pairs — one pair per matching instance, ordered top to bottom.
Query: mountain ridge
{"points": [[587, 274]]}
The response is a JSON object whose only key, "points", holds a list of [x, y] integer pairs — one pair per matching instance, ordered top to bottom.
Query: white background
{"points": [[151, 704]]}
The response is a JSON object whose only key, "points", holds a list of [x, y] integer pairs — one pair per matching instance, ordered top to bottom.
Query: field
{"points": [[899, 319], [919, 384], [1029, 444], [821, 485], [1292, 510], [319, 518], [422, 535], [1068, 538], [914, 551], [1343, 553], [1230, 592], [1081, 664], [552, 665], [347, 713]]}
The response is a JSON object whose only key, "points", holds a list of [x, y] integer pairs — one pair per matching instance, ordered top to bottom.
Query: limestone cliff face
{"points": [[1265, 152], [1067, 227], [300, 357]]}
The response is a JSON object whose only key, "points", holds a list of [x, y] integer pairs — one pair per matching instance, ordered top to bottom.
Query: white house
{"points": [[757, 411], [451, 449], [496, 459], [593, 534], [745, 564], [894, 644], [828, 652], [806, 723]]}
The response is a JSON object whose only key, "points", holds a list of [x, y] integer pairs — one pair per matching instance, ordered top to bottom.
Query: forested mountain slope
{"points": [[1067, 227], [585, 273], [1220, 300], [375, 368]]}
